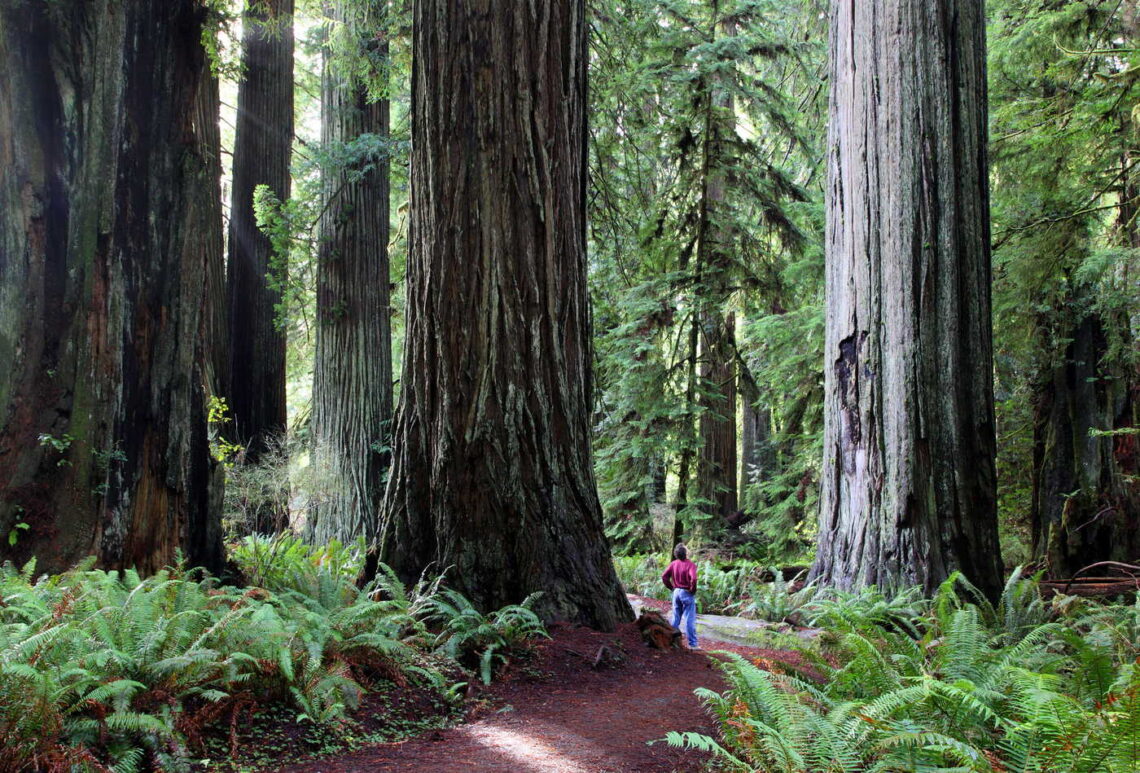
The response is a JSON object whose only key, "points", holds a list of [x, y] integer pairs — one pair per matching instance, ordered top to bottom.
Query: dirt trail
{"points": [[565, 716]]}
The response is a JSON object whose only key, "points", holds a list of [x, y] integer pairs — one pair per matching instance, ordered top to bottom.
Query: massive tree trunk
{"points": [[263, 143], [107, 209], [352, 376], [492, 472], [908, 488], [1086, 507]]}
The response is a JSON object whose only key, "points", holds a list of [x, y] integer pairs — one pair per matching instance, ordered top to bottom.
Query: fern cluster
{"points": [[109, 670], [954, 684]]}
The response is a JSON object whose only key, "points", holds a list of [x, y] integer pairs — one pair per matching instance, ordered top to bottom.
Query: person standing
{"points": [[681, 578]]}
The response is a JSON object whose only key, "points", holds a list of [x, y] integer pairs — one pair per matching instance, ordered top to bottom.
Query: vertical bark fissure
{"points": [[352, 381]]}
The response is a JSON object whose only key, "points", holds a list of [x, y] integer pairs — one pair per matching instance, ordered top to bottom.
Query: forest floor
{"points": [[561, 712]]}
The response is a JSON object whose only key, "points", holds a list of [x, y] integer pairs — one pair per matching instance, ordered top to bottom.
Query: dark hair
{"points": [[680, 552]]}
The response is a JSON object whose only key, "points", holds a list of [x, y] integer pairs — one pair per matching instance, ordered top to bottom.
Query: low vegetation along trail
{"points": [[561, 713]]}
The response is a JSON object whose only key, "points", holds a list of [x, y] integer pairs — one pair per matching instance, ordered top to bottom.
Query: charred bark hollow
{"points": [[263, 143], [109, 186], [352, 377], [492, 472], [908, 482], [1086, 502]]}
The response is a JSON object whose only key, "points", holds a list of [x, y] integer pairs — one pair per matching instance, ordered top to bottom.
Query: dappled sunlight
{"points": [[530, 752]]}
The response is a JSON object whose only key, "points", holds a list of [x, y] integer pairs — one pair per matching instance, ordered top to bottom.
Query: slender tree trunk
{"points": [[263, 144], [106, 221], [352, 383], [688, 448], [757, 454], [716, 468], [658, 469], [492, 472], [908, 482]]}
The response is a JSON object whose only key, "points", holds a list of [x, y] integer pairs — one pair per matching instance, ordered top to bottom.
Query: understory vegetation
{"points": [[102, 670], [954, 683]]}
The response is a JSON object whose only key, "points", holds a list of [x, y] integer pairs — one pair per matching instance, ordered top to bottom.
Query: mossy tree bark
{"points": [[263, 143], [107, 224], [352, 377], [492, 471], [908, 483]]}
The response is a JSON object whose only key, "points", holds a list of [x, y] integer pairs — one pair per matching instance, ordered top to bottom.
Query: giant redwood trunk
{"points": [[263, 142], [107, 206], [352, 376], [492, 473], [908, 481], [1086, 502]]}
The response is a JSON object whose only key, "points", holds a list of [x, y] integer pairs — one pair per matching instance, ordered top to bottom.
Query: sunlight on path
{"points": [[525, 751]]}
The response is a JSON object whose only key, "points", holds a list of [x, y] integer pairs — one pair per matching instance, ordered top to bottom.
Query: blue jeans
{"points": [[685, 607]]}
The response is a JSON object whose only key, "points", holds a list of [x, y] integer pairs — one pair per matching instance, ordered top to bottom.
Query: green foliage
{"points": [[1062, 94], [667, 255], [217, 417], [284, 562], [641, 575], [720, 591], [776, 601], [472, 638], [111, 669], [951, 684]]}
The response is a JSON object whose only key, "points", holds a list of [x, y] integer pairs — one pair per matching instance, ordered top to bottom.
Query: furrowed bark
{"points": [[106, 211], [352, 379], [492, 472], [908, 484]]}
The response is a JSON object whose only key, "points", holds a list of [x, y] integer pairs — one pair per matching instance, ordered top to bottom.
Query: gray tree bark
{"points": [[263, 146], [108, 209], [352, 378], [492, 472], [908, 482]]}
